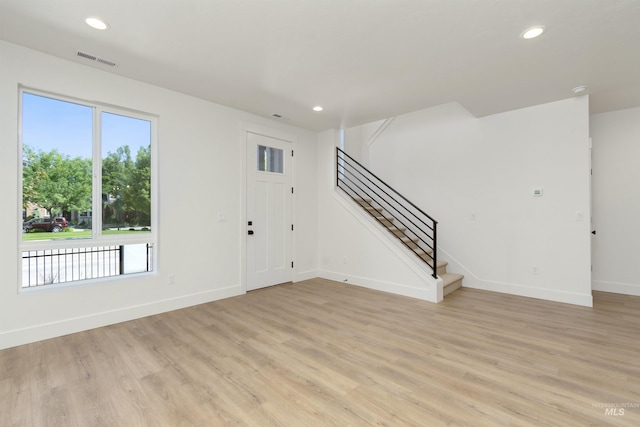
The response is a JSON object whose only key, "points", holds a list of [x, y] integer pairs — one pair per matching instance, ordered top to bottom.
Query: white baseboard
{"points": [[305, 275], [472, 281], [616, 288], [532, 292], [428, 293], [78, 324]]}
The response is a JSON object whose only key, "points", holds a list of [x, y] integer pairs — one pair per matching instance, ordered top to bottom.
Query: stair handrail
{"points": [[390, 187], [374, 191], [362, 194], [389, 205]]}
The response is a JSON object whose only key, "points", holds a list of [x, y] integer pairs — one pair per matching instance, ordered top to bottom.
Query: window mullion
{"points": [[122, 152], [96, 216]]}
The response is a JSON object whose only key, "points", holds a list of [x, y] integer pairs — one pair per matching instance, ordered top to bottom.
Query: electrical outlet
{"points": [[536, 269], [171, 279]]}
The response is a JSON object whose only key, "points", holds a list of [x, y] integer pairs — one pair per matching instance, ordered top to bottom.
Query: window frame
{"points": [[97, 239]]}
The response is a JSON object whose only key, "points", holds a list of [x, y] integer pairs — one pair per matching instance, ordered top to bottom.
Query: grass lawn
{"points": [[85, 234]]}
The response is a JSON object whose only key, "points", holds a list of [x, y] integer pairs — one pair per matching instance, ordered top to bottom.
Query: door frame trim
{"points": [[250, 127]]}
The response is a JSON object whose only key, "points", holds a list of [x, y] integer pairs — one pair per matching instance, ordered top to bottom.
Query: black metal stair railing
{"points": [[389, 207]]}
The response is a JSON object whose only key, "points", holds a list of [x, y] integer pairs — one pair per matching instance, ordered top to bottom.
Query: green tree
{"points": [[30, 176], [116, 177], [55, 182], [138, 192]]}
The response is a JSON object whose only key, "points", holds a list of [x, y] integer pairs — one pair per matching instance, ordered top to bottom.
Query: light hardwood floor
{"points": [[321, 353]]}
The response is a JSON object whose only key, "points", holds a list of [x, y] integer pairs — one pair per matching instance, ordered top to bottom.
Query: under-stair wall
{"points": [[477, 175], [402, 221], [353, 248]]}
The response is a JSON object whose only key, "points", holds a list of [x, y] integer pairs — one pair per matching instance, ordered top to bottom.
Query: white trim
{"points": [[267, 131], [379, 131], [291, 138], [19, 173], [96, 178], [97, 238], [38, 245], [305, 275], [86, 282], [474, 282], [433, 287], [394, 288], [616, 288], [44, 331]]}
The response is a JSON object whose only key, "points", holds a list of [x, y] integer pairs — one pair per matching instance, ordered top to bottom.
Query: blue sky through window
{"points": [[49, 124], [121, 130]]}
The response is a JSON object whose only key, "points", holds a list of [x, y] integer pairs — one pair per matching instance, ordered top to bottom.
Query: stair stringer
{"points": [[433, 287]]}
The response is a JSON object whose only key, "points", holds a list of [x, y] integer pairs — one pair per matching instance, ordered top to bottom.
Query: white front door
{"points": [[269, 204]]}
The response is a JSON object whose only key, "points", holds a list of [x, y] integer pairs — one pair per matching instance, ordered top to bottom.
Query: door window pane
{"points": [[270, 159]]}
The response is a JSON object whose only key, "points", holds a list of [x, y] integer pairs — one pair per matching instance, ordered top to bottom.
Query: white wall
{"points": [[357, 140], [200, 166], [476, 177], [616, 204], [353, 248]]}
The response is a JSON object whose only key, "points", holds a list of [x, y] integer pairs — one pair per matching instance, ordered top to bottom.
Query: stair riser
{"points": [[377, 213], [385, 222], [398, 233], [411, 244], [426, 257], [441, 270], [452, 287]]}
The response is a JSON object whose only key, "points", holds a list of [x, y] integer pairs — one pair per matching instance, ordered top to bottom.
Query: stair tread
{"points": [[421, 251], [450, 281]]}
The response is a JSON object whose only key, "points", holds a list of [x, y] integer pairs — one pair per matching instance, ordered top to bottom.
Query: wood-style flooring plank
{"points": [[322, 353]]}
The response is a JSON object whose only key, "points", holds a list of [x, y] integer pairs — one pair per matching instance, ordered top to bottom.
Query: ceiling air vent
{"points": [[87, 56], [96, 59], [106, 62]]}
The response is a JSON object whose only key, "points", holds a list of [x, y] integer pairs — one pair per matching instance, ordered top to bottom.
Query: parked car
{"points": [[55, 225]]}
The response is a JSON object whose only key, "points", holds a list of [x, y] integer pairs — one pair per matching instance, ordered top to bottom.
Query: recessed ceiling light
{"points": [[96, 23], [532, 32], [318, 108]]}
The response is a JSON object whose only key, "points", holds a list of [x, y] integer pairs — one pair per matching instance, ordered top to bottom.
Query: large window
{"points": [[87, 190]]}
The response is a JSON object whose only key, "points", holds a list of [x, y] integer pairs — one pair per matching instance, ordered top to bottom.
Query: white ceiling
{"points": [[363, 60]]}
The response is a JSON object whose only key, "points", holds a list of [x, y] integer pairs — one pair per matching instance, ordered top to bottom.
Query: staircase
{"points": [[416, 230], [450, 281]]}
